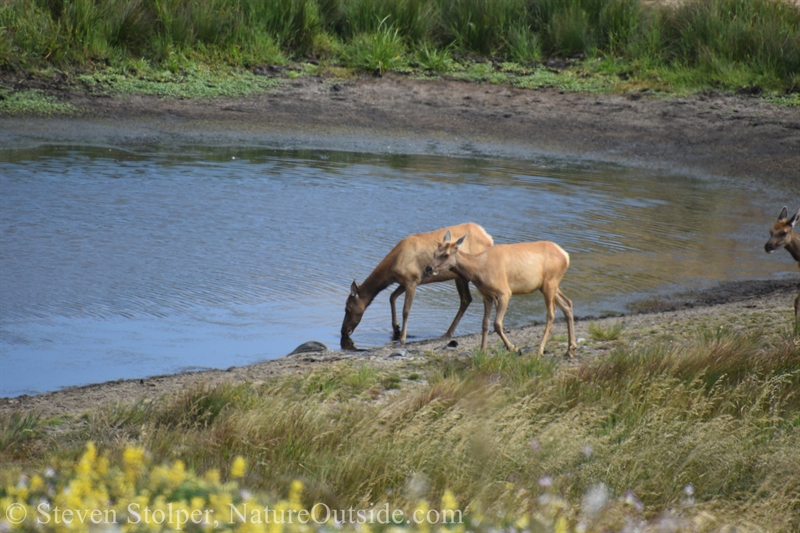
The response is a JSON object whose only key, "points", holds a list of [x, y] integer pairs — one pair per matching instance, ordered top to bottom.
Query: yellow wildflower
{"points": [[133, 458], [86, 464], [239, 467], [176, 475], [212, 476], [37, 484], [295, 492], [449, 502], [276, 526]]}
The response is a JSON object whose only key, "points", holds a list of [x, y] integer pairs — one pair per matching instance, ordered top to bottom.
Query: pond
{"points": [[126, 264]]}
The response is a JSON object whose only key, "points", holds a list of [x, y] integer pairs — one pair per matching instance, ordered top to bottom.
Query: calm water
{"points": [[123, 265]]}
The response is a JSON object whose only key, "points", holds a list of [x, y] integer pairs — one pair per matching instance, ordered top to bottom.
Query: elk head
{"points": [[781, 232], [444, 258], [353, 311]]}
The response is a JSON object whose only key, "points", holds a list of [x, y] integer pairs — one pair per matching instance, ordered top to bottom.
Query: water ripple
{"points": [[170, 257]]}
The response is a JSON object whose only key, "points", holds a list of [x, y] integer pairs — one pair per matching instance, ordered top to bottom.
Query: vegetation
{"points": [[746, 45], [605, 334], [701, 434]]}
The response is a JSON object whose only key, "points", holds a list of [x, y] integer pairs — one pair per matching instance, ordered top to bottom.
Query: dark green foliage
{"points": [[727, 43]]}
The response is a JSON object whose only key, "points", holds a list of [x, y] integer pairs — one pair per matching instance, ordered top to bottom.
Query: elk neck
{"points": [[794, 246], [467, 265], [379, 279]]}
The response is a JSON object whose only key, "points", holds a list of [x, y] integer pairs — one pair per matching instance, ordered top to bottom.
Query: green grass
{"points": [[726, 45], [195, 82], [192, 83], [32, 101], [719, 412]]}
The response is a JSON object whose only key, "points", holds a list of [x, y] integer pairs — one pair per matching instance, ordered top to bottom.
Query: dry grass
{"points": [[702, 428]]}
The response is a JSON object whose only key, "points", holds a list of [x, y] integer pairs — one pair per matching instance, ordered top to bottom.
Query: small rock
{"points": [[310, 346], [401, 353]]}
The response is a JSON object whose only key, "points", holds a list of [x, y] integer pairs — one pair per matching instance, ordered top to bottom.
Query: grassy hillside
{"points": [[751, 46]]}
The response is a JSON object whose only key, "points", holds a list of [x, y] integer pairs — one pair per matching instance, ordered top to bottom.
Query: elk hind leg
{"points": [[466, 298], [550, 303], [565, 304], [797, 314], [487, 315]]}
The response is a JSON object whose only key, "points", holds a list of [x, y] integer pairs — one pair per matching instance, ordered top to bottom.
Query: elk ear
{"points": [[784, 214], [795, 218], [446, 237], [460, 241], [354, 289]]}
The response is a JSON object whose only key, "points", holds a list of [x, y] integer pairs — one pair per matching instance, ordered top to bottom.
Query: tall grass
{"points": [[480, 26], [724, 42], [716, 417]]}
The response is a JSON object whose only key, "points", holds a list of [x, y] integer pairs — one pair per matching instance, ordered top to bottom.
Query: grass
{"points": [[171, 48], [194, 83], [32, 101], [611, 333], [701, 428]]}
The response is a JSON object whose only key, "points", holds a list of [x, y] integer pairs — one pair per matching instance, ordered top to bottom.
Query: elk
{"points": [[782, 236], [405, 265], [506, 269]]}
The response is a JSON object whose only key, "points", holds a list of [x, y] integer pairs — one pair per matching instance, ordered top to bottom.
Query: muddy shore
{"points": [[736, 137]]}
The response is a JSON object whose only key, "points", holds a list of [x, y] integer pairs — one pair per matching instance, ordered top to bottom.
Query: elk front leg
{"points": [[410, 291], [466, 298], [392, 299], [565, 304], [502, 305]]}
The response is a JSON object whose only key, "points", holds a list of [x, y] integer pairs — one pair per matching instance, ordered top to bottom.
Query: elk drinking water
{"points": [[782, 235], [405, 265], [506, 269]]}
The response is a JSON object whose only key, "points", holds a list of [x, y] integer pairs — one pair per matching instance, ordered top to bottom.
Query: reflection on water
{"points": [[122, 265]]}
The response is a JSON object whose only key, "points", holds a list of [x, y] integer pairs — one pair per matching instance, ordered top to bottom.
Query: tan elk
{"points": [[782, 236], [405, 265], [506, 269]]}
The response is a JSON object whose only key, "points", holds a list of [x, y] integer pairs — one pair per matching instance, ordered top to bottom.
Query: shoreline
{"points": [[737, 137], [748, 305]]}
